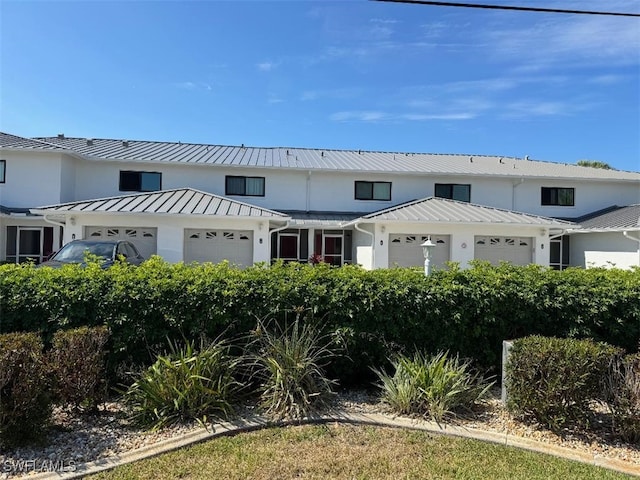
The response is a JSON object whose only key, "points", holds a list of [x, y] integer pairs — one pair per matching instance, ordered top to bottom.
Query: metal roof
{"points": [[13, 141], [331, 160], [183, 201], [434, 209], [14, 211], [620, 218], [323, 219]]}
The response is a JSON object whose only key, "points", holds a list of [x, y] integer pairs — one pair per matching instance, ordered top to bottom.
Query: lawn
{"points": [[348, 451]]}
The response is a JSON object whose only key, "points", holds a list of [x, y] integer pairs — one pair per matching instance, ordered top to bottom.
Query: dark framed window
{"points": [[3, 170], [132, 181], [246, 186], [372, 190], [453, 191], [563, 197]]}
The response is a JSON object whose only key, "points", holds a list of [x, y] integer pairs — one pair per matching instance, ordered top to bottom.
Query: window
{"points": [[3, 170], [131, 181], [247, 186], [373, 190], [453, 191], [563, 197]]}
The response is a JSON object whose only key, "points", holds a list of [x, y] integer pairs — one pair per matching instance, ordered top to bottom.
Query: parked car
{"points": [[107, 252]]}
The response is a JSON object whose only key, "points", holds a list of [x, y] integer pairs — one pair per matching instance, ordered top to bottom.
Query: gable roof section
{"points": [[14, 142], [331, 160], [182, 201], [442, 210], [13, 211], [614, 219]]}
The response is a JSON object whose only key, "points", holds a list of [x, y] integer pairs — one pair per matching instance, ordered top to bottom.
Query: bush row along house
{"points": [[195, 202]]}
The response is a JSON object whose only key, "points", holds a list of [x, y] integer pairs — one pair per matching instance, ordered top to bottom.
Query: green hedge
{"points": [[468, 312]]}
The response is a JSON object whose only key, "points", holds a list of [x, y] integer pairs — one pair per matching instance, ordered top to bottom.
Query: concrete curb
{"points": [[257, 422]]}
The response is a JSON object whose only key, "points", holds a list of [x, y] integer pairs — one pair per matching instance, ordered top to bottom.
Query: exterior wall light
{"points": [[427, 250]]}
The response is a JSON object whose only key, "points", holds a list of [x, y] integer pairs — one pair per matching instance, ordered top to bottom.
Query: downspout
{"points": [[513, 193], [308, 199], [53, 222], [276, 230], [630, 237], [373, 246]]}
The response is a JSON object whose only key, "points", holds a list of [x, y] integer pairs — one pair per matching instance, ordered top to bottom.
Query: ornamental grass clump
{"points": [[289, 364], [187, 384], [432, 386], [622, 396]]}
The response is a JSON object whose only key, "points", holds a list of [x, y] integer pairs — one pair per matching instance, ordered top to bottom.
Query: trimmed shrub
{"points": [[386, 311], [77, 361], [289, 363], [556, 379], [186, 384], [433, 386], [622, 396], [25, 403]]}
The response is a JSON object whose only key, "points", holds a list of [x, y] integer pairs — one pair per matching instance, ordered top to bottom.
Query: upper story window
{"points": [[3, 170], [131, 181], [247, 186], [373, 190], [453, 191], [564, 197]]}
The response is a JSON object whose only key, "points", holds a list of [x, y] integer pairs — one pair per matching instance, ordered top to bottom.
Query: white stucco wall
{"points": [[32, 179], [589, 196], [604, 249]]}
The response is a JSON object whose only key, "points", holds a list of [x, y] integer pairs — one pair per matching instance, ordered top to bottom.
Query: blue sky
{"points": [[353, 74]]}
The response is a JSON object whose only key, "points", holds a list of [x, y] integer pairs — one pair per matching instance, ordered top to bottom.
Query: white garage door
{"points": [[145, 239], [214, 246], [405, 250], [517, 250]]}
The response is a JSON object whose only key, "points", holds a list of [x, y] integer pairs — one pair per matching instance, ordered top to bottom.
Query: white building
{"points": [[192, 202]]}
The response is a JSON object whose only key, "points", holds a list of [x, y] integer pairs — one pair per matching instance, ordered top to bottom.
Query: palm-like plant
{"points": [[289, 363], [186, 384], [432, 386]]}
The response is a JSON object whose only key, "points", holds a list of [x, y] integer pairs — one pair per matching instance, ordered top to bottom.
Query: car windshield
{"points": [[75, 252]]}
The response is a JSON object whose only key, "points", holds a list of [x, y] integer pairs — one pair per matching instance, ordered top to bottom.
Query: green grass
{"points": [[359, 452]]}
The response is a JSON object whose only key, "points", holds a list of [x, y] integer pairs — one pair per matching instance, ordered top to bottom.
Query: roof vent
{"points": [[61, 136], [89, 142], [125, 143], [242, 146], [288, 152], [322, 154], [526, 157], [470, 159], [501, 160]]}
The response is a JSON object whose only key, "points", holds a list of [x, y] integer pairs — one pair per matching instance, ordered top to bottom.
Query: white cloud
{"points": [[266, 66], [188, 85], [273, 99]]}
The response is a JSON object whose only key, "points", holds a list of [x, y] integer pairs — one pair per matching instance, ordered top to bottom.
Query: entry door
{"points": [[288, 246], [332, 251]]}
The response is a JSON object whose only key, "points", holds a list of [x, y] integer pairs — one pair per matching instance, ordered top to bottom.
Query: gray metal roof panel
{"points": [[13, 141], [334, 160], [185, 201], [434, 209], [619, 219]]}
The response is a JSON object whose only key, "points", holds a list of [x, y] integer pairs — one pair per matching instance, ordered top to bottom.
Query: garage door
{"points": [[145, 239], [214, 246], [405, 250], [517, 250]]}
